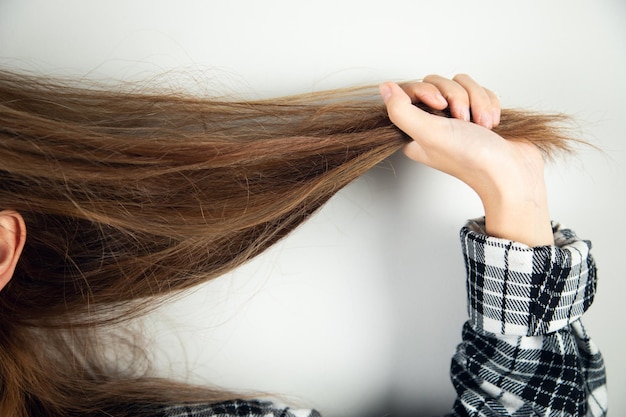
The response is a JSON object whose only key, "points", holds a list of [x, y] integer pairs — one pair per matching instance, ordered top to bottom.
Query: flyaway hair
{"points": [[132, 196]]}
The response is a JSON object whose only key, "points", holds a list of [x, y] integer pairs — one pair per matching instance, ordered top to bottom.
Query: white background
{"points": [[362, 307]]}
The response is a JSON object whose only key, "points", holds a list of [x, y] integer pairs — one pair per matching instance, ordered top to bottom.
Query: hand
{"points": [[506, 175]]}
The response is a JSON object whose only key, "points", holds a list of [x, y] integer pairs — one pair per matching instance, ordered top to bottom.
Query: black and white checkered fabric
{"points": [[517, 290], [525, 351], [237, 408]]}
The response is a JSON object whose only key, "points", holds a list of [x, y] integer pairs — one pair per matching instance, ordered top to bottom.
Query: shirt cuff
{"points": [[515, 289]]}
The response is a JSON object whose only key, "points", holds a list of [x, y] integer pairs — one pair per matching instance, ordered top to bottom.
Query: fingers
{"points": [[426, 93], [456, 95], [466, 99], [484, 104], [400, 107], [496, 109], [423, 127]]}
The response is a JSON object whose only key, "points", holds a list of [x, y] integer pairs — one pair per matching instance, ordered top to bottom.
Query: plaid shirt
{"points": [[525, 352], [237, 408]]}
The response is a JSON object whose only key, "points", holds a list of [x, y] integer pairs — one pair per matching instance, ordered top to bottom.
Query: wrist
{"points": [[513, 191], [519, 215]]}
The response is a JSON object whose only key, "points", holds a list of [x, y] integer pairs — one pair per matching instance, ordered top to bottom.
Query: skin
{"points": [[508, 176], [12, 239]]}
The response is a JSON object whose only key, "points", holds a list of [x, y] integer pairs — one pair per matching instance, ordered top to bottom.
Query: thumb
{"points": [[409, 118], [430, 133]]}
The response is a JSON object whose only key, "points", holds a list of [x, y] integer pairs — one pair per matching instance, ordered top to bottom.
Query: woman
{"points": [[112, 199]]}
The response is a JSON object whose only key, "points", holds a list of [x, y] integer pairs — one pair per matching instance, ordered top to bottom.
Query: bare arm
{"points": [[506, 175]]}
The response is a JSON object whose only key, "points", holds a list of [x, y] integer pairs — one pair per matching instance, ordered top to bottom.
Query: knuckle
{"points": [[432, 77], [461, 77], [417, 87], [422, 89], [458, 95], [495, 100], [395, 111]]}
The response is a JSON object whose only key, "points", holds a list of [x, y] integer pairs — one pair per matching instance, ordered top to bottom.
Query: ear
{"points": [[12, 239]]}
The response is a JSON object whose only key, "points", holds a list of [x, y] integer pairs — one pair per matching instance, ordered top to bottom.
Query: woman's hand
{"points": [[506, 175]]}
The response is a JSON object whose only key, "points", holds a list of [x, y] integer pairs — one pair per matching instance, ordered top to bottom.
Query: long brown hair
{"points": [[132, 196]]}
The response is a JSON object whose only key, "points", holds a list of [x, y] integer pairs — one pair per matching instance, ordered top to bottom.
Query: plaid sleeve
{"points": [[525, 351], [237, 408]]}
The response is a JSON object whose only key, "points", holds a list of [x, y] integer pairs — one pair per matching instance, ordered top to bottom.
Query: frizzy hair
{"points": [[132, 196]]}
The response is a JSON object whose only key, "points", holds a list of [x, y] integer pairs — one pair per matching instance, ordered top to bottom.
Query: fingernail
{"points": [[385, 92], [442, 99], [465, 114], [496, 118], [486, 120]]}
